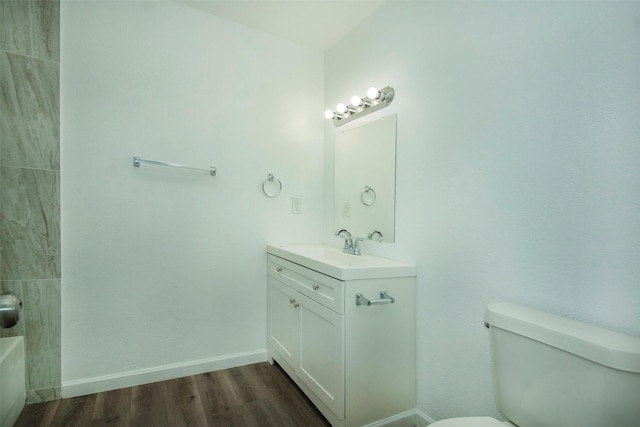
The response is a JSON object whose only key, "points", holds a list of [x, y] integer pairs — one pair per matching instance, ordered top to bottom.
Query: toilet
{"points": [[549, 371]]}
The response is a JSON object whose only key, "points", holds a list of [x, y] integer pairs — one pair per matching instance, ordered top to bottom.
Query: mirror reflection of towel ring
{"points": [[275, 186], [368, 196]]}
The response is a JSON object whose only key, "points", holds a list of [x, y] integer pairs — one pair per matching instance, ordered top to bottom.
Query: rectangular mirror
{"points": [[365, 180]]}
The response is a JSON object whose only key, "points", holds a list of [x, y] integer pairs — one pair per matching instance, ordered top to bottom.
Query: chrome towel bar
{"points": [[137, 160], [385, 298]]}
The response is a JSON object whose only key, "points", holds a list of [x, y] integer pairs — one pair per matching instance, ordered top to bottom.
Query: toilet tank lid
{"points": [[608, 348]]}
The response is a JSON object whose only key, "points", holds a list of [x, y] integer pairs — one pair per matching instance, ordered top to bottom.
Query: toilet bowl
{"points": [[550, 371]]}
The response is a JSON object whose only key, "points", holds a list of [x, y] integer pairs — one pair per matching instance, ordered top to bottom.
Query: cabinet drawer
{"points": [[317, 286]]}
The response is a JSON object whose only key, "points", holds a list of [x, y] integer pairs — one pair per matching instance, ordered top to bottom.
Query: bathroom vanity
{"points": [[343, 328]]}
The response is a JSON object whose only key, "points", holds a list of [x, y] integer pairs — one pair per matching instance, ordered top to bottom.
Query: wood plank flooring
{"points": [[252, 395]]}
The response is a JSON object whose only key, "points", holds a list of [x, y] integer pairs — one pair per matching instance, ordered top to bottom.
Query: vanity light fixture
{"points": [[375, 100], [358, 102], [344, 109], [333, 115]]}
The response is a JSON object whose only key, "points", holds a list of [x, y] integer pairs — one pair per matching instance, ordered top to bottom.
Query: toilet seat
{"points": [[469, 422]]}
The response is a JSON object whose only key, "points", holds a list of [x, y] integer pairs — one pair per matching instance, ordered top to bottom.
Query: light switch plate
{"points": [[296, 205], [346, 209]]}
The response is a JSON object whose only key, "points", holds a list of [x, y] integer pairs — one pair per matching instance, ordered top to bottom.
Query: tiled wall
{"points": [[30, 182]]}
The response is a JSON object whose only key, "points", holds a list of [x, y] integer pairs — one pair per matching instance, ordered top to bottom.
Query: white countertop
{"points": [[335, 263]]}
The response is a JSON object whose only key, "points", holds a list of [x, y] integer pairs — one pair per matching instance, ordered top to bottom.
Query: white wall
{"points": [[518, 168], [165, 267]]}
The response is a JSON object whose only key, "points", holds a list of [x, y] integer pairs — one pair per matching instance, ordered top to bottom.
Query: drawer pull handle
{"points": [[279, 269], [315, 286], [385, 298]]}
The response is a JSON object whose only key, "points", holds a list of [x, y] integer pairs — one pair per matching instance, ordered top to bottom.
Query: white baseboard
{"points": [[160, 373], [13, 413], [414, 418], [422, 419], [399, 420]]}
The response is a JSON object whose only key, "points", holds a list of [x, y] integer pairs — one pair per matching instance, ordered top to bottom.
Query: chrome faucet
{"points": [[373, 233], [348, 242]]}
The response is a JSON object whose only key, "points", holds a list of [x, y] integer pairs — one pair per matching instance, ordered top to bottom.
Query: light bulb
{"points": [[373, 93], [358, 102], [341, 108], [329, 114]]}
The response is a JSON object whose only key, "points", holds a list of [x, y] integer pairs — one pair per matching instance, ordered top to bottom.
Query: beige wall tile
{"points": [[31, 28], [30, 119], [29, 224], [40, 326]]}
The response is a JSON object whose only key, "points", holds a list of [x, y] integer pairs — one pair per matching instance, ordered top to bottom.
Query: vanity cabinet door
{"points": [[284, 321], [310, 338], [322, 353]]}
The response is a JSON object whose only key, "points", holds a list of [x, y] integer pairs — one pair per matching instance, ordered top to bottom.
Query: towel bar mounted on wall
{"points": [[137, 161]]}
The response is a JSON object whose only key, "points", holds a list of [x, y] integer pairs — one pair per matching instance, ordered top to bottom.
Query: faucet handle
{"points": [[356, 246]]}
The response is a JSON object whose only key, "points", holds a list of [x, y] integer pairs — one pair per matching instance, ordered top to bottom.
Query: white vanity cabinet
{"points": [[309, 337], [356, 363]]}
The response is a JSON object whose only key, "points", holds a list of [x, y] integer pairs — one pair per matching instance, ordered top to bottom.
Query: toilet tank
{"points": [[552, 371]]}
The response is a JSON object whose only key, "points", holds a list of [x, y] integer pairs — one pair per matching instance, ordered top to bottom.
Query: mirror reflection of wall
{"points": [[365, 179]]}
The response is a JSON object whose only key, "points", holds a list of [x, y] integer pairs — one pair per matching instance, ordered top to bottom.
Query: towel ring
{"points": [[271, 181], [368, 196]]}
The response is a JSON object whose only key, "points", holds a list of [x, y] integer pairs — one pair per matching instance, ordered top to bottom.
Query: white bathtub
{"points": [[12, 377]]}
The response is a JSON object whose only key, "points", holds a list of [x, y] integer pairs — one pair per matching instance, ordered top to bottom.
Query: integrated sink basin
{"points": [[335, 263]]}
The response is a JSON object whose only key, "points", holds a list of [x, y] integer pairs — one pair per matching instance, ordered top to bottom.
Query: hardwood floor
{"points": [[253, 395]]}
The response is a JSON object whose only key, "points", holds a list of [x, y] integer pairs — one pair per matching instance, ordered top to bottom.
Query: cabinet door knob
{"points": [[279, 269], [315, 286], [292, 300], [296, 304]]}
